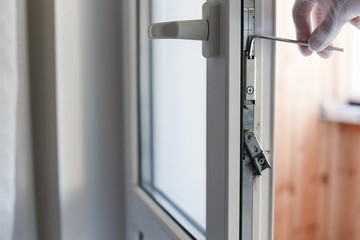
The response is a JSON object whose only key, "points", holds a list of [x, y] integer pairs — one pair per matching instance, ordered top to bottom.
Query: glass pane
{"points": [[172, 78]]}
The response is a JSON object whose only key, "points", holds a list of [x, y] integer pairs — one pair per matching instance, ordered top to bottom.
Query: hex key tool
{"points": [[303, 43]]}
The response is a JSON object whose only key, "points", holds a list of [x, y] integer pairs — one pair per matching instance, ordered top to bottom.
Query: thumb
{"points": [[325, 33]]}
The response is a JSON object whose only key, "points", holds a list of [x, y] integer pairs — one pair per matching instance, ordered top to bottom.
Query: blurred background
{"points": [[317, 156]]}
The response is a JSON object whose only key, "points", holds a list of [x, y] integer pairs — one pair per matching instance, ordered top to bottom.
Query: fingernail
{"points": [[305, 51], [325, 54]]}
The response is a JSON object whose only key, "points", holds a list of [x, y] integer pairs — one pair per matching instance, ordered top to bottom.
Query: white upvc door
{"points": [[187, 170]]}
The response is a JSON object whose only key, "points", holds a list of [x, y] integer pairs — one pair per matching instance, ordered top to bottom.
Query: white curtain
{"points": [[8, 103]]}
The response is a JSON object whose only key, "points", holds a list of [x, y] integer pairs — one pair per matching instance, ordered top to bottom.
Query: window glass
{"points": [[172, 97]]}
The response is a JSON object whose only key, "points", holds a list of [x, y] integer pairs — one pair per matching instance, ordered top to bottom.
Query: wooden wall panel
{"points": [[317, 176]]}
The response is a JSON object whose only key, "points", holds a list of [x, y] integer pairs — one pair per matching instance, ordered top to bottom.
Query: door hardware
{"points": [[190, 30], [205, 30], [250, 61], [249, 66], [250, 79], [255, 152]]}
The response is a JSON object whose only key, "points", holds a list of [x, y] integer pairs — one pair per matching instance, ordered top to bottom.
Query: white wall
{"points": [[89, 116], [17, 208], [25, 217]]}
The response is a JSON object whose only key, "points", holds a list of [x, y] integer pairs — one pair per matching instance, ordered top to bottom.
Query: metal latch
{"points": [[255, 152]]}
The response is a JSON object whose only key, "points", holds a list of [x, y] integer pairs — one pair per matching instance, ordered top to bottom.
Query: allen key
{"points": [[302, 43]]}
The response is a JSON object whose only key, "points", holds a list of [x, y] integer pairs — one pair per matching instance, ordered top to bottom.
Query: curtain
{"points": [[8, 103]]}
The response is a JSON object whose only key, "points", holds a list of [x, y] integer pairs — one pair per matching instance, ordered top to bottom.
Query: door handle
{"points": [[191, 30], [205, 30]]}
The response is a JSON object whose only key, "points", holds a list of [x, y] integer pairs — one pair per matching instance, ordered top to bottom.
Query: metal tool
{"points": [[302, 43]]}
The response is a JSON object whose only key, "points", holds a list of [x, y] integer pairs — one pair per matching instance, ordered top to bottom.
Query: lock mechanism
{"points": [[255, 152], [254, 159]]}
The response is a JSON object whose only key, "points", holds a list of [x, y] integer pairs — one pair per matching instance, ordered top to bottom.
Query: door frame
{"points": [[223, 143], [263, 190]]}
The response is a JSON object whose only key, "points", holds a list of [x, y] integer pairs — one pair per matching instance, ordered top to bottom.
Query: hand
{"points": [[328, 17]]}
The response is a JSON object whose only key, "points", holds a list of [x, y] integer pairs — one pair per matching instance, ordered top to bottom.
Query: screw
{"points": [[250, 90], [249, 136], [261, 161]]}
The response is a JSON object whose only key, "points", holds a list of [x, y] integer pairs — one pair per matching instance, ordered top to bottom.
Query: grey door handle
{"points": [[191, 30], [205, 30]]}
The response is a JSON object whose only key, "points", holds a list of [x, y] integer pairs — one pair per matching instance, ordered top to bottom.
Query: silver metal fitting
{"points": [[250, 90]]}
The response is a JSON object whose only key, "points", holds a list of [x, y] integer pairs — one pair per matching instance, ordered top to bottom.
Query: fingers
{"points": [[352, 12], [301, 16], [318, 17], [356, 22], [325, 33], [326, 53]]}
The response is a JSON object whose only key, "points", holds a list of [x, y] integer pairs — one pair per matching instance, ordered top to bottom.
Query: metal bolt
{"points": [[250, 90], [261, 161]]}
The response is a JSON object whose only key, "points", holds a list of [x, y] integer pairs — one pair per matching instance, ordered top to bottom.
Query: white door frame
{"points": [[223, 143], [263, 191]]}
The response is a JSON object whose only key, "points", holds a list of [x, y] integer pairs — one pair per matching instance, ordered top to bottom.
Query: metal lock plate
{"points": [[255, 152]]}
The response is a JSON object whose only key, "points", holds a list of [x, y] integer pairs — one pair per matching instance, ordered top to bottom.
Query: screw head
{"points": [[250, 90], [249, 136], [261, 161]]}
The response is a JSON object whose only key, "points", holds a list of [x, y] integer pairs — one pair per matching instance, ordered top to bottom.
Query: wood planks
{"points": [[317, 176]]}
